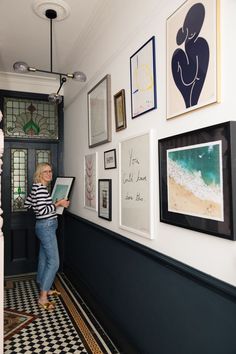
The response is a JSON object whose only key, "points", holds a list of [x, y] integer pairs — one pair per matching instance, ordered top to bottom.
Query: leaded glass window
{"points": [[31, 119], [43, 156], [18, 178]]}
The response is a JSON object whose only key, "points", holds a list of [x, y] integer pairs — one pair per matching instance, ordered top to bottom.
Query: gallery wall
{"points": [[122, 31]]}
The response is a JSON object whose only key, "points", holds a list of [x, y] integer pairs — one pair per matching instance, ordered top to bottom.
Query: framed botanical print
{"points": [[192, 56], [197, 180], [90, 181]]}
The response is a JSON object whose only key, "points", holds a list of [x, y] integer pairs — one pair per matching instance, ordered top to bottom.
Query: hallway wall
{"points": [[125, 27]]}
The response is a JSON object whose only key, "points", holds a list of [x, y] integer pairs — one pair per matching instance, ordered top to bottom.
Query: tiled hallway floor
{"points": [[70, 328]]}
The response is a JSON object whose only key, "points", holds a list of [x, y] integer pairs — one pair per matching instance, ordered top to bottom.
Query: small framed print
{"points": [[120, 112], [110, 159], [61, 190], [104, 198]]}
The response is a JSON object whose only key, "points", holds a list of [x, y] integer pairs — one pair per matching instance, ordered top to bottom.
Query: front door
{"points": [[20, 158]]}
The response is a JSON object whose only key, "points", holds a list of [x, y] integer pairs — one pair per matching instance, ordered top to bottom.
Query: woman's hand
{"points": [[62, 202]]}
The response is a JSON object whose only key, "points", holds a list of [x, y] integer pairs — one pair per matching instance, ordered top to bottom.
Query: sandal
{"points": [[54, 293], [48, 306]]}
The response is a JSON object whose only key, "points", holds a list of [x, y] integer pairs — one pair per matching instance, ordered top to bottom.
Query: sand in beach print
{"points": [[195, 180]]}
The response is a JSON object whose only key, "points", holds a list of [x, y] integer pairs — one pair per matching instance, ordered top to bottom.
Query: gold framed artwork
{"points": [[192, 57], [120, 111]]}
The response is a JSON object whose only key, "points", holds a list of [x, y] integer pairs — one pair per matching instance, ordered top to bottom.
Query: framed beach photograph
{"points": [[193, 72], [143, 79], [120, 111], [99, 112], [110, 159], [197, 180], [90, 181], [61, 190], [105, 198], [136, 210]]}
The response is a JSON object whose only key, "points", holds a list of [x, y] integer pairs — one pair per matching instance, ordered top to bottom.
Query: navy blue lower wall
{"points": [[148, 303]]}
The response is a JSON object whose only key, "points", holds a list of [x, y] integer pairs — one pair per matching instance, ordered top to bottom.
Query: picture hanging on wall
{"points": [[192, 56], [143, 79], [120, 111], [99, 112], [110, 159], [197, 180], [90, 181], [136, 184], [104, 198]]}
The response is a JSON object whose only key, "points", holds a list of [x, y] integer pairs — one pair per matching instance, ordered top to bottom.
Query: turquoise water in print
{"points": [[205, 159]]}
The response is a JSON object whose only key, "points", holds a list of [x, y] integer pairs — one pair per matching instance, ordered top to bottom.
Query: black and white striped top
{"points": [[41, 202]]}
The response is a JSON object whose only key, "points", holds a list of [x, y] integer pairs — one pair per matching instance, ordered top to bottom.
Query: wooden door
{"points": [[20, 158]]}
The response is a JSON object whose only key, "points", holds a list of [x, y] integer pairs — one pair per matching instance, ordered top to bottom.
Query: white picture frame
{"points": [[90, 181], [136, 206]]}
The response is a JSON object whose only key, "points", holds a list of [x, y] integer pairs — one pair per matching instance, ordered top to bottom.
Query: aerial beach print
{"points": [[195, 180]]}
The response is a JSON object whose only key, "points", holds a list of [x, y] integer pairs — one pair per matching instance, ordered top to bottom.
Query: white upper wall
{"points": [[125, 27]]}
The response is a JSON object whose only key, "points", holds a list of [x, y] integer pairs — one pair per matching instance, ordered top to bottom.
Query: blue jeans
{"points": [[48, 262]]}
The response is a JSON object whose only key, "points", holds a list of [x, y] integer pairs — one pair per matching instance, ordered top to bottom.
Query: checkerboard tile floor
{"points": [[52, 331]]}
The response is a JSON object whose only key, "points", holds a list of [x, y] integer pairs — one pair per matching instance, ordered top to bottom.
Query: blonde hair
{"points": [[39, 170]]}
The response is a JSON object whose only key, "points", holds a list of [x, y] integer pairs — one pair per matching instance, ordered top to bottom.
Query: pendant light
{"points": [[22, 67]]}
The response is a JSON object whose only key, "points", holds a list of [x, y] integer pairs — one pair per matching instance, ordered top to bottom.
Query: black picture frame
{"points": [[143, 79], [179, 154], [110, 159], [62, 190], [105, 199]]}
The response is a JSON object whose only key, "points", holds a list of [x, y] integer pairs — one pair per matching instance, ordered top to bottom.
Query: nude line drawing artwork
{"points": [[192, 57], [189, 65]]}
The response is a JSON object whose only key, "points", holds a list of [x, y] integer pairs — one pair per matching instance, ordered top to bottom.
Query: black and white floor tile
{"points": [[70, 328]]}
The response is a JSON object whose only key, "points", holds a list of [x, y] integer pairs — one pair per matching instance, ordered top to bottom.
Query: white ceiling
{"points": [[24, 36]]}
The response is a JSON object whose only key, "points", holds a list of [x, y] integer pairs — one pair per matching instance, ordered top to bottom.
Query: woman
{"points": [[46, 224]]}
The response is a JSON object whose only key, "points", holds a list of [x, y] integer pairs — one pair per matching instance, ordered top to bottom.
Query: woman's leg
{"points": [[46, 232], [41, 265]]}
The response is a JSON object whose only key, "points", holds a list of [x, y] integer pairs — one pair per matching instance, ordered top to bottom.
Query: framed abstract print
{"points": [[192, 56], [143, 79], [99, 112], [197, 180], [61, 190], [105, 198]]}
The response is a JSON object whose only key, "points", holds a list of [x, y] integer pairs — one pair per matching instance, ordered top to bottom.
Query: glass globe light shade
{"points": [[20, 67], [79, 76], [54, 98]]}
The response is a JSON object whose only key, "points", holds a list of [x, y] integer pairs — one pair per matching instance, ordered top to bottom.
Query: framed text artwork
{"points": [[192, 56], [143, 79], [99, 112], [197, 180], [90, 181], [136, 184], [61, 190], [105, 198]]}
